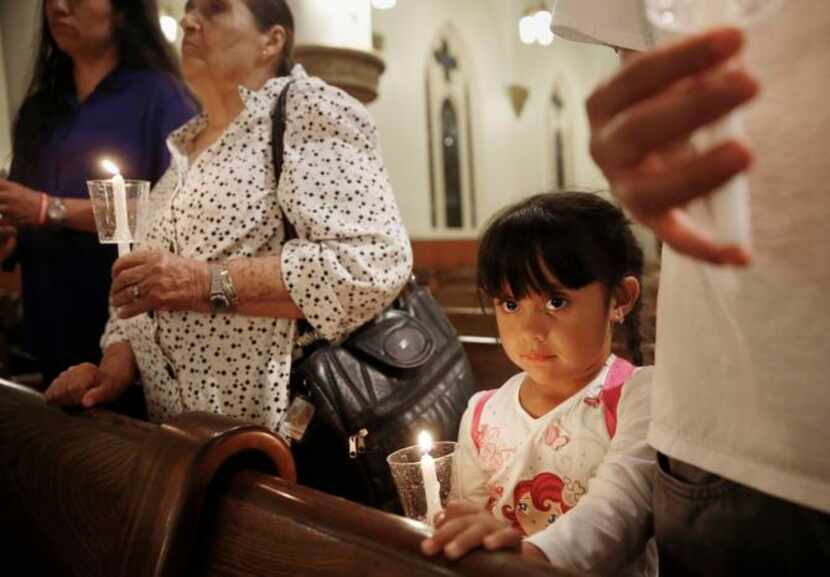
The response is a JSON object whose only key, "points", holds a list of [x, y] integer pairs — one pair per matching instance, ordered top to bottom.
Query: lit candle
{"points": [[119, 197], [432, 487]]}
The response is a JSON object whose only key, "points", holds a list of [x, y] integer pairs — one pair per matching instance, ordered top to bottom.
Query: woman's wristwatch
{"points": [[55, 212], [222, 292]]}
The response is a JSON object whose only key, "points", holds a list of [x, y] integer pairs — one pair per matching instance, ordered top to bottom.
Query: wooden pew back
{"points": [[94, 494]]}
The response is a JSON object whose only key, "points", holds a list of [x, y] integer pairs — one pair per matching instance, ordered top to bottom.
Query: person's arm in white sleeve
{"points": [[352, 255], [114, 330], [89, 385], [611, 525]]}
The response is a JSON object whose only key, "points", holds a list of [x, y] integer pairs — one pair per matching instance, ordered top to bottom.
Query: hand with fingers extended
{"points": [[641, 123], [159, 281], [89, 385], [463, 526]]}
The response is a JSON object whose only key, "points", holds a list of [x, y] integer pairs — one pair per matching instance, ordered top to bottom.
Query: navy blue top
{"points": [[66, 274]]}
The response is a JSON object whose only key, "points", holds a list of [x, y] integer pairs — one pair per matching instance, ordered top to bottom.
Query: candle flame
{"points": [[110, 166], [425, 442]]}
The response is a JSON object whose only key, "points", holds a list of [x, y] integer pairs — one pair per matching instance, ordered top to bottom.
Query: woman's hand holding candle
{"points": [[155, 280]]}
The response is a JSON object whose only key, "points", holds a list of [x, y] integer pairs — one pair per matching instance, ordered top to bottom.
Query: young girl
{"points": [[557, 457]]}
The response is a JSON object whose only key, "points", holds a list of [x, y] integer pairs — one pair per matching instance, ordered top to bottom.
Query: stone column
{"points": [[334, 42]]}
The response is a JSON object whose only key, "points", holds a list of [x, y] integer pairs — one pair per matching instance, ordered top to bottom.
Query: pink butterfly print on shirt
{"points": [[556, 437], [492, 452]]}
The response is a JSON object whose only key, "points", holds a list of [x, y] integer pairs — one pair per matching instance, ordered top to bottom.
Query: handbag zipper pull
{"points": [[361, 440], [357, 444]]}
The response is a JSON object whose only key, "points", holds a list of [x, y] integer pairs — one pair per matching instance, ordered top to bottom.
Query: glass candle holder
{"points": [[691, 16], [105, 206], [726, 212], [408, 473]]}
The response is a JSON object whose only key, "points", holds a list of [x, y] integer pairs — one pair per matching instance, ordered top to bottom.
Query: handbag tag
{"points": [[295, 422]]}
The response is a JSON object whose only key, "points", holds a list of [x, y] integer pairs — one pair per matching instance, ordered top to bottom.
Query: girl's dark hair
{"points": [[268, 13], [141, 45], [577, 236]]}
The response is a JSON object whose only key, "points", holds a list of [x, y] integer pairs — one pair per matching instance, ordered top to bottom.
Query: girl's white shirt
{"points": [[594, 488]]}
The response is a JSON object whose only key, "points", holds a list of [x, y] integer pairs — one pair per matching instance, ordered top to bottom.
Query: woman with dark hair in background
{"points": [[105, 85], [214, 296]]}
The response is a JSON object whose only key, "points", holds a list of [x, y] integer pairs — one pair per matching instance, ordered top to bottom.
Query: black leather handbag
{"points": [[403, 372]]}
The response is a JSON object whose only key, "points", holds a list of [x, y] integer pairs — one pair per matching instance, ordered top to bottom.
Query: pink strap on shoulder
{"points": [[620, 371], [475, 428]]}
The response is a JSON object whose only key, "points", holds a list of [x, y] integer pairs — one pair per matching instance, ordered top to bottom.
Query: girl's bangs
{"points": [[518, 255]]}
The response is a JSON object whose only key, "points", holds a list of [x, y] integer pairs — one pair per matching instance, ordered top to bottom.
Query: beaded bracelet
{"points": [[44, 203]]}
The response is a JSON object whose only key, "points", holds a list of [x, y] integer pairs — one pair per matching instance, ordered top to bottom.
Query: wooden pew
{"points": [[95, 494]]}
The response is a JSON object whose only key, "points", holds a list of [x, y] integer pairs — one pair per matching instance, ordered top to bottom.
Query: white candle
{"points": [[119, 197], [729, 205], [726, 212], [432, 488]]}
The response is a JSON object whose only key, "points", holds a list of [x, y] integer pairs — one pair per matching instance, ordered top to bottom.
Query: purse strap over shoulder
{"points": [[278, 148], [306, 335]]}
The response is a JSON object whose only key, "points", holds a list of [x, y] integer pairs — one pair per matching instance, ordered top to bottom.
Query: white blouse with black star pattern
{"points": [[351, 259]]}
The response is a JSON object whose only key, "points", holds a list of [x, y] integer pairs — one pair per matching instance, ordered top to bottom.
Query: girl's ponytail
{"points": [[633, 338]]}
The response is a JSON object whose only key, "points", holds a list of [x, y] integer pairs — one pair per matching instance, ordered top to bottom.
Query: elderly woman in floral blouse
{"points": [[207, 310]]}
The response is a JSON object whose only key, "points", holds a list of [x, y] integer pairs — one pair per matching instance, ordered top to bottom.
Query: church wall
{"points": [[19, 26], [17, 41], [5, 119], [510, 154], [513, 156]]}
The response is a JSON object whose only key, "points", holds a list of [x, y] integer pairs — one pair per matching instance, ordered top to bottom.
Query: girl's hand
{"points": [[19, 205], [159, 281], [462, 527]]}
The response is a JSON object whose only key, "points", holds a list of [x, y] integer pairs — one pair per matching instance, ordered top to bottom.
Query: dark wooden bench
{"points": [[95, 494]]}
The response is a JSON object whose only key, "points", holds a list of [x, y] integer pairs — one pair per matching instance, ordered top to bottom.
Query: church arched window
{"points": [[561, 141], [452, 184], [453, 205]]}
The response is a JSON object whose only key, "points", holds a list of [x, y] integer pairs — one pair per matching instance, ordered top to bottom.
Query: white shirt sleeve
{"points": [[352, 255], [114, 331], [469, 479], [611, 525]]}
